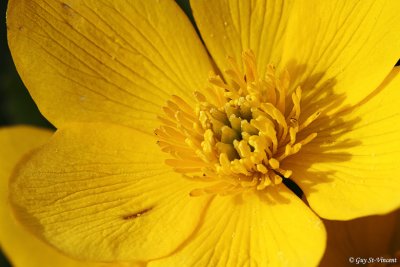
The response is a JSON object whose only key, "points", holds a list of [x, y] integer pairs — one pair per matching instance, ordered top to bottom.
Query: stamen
{"points": [[238, 137]]}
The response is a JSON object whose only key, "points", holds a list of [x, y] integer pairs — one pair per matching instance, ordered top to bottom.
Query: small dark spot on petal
{"points": [[65, 6], [136, 214]]}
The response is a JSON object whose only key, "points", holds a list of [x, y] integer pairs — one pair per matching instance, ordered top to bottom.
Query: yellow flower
{"points": [[155, 161], [370, 241], [22, 248]]}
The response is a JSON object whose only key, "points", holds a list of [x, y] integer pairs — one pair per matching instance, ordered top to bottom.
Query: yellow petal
{"points": [[230, 27], [340, 51], [105, 61], [15, 142], [351, 168], [102, 192], [268, 229], [360, 238], [22, 248]]}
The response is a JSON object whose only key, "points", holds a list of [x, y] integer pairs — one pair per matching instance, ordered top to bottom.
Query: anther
{"points": [[238, 136]]}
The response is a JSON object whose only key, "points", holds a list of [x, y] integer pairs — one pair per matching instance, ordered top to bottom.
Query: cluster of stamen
{"points": [[237, 136]]}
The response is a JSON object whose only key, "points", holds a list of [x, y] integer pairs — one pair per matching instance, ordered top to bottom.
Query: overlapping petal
{"points": [[105, 61], [350, 169], [102, 192], [268, 229], [365, 238], [22, 248]]}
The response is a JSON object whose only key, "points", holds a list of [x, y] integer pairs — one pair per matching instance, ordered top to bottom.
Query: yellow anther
{"points": [[203, 119], [235, 122], [248, 128], [239, 133], [209, 142], [242, 148], [274, 163], [238, 167], [261, 168], [285, 173], [264, 182]]}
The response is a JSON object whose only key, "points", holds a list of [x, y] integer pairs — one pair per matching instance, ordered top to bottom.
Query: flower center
{"points": [[239, 135]]}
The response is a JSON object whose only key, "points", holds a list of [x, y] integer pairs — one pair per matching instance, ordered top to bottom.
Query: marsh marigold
{"points": [[169, 152]]}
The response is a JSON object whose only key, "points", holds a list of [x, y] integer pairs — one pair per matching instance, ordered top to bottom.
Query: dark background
{"points": [[16, 106]]}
